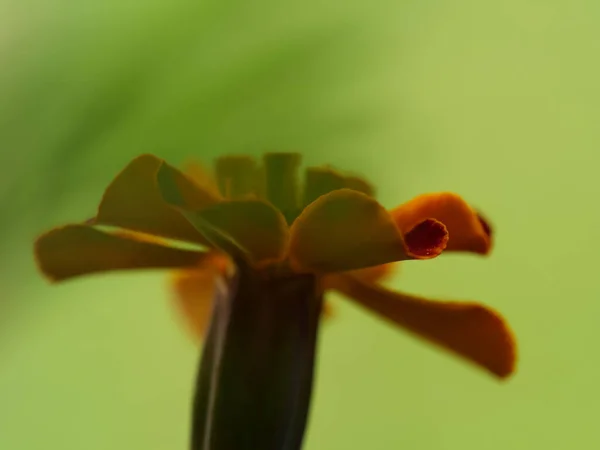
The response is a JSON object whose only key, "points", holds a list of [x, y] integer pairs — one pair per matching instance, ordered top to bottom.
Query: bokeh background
{"points": [[498, 101]]}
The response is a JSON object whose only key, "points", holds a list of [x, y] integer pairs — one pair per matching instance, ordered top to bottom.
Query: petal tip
{"points": [[167, 187], [487, 228], [469, 231], [488, 233], [427, 239], [42, 264], [504, 345], [509, 366]]}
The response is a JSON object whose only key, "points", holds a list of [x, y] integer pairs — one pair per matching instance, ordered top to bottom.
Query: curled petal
{"points": [[132, 201], [485, 224], [252, 229], [348, 230], [467, 230], [427, 239], [76, 250], [469, 330]]}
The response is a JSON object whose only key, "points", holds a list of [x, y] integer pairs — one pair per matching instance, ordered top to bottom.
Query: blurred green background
{"points": [[498, 101]]}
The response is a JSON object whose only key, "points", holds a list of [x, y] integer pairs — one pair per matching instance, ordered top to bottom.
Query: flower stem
{"points": [[254, 385]]}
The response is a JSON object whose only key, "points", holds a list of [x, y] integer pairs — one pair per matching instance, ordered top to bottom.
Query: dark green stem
{"points": [[255, 381]]}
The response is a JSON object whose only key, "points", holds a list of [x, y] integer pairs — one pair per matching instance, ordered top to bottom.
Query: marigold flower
{"points": [[253, 254]]}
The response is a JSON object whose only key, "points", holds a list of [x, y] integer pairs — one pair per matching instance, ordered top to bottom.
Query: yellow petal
{"points": [[133, 201], [249, 228], [348, 230], [467, 230], [75, 250], [194, 291], [469, 330]]}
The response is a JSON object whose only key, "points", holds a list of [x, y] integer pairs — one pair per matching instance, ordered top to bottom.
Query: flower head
{"points": [[334, 228], [284, 241]]}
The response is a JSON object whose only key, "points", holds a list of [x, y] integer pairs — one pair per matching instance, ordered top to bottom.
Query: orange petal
{"points": [[133, 201], [348, 230], [467, 230], [76, 250], [374, 274], [194, 291], [328, 311], [469, 330]]}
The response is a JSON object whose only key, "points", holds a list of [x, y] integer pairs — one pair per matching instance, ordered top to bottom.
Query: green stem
{"points": [[254, 384]]}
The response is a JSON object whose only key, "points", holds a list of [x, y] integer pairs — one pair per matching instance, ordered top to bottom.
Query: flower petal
{"points": [[236, 175], [203, 178], [322, 180], [282, 184], [359, 184], [132, 201], [242, 228], [347, 230], [467, 230], [76, 250], [375, 274], [195, 290], [193, 298], [327, 310], [469, 330]]}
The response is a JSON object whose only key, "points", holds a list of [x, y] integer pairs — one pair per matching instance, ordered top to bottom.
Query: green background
{"points": [[497, 101]]}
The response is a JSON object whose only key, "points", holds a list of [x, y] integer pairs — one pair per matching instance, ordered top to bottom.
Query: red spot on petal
{"points": [[427, 240]]}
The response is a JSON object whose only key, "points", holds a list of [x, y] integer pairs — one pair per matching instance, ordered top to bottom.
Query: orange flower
{"points": [[341, 233], [282, 241]]}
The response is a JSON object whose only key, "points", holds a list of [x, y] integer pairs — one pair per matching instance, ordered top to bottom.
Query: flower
{"points": [[256, 258]]}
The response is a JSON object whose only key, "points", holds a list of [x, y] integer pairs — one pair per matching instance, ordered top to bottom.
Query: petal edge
{"points": [[348, 230], [75, 250], [470, 330]]}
